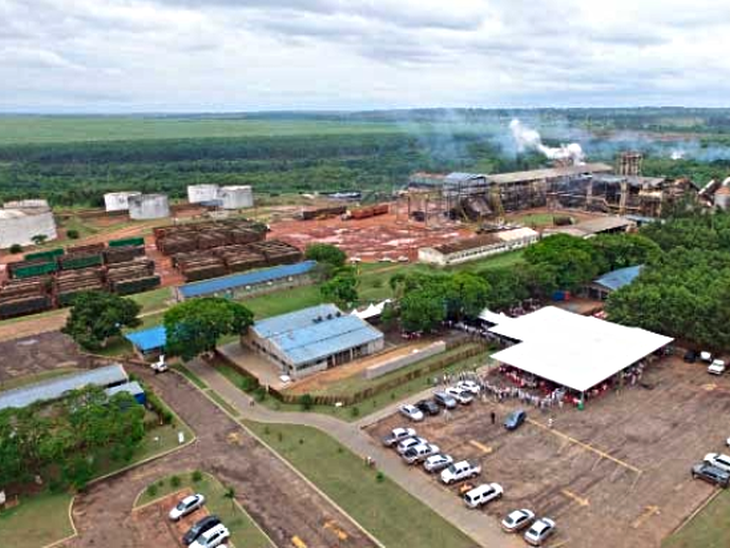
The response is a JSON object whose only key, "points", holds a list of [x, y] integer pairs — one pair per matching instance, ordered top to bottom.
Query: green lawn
{"points": [[536, 219], [157, 299], [38, 377], [388, 512], [36, 521], [708, 529], [244, 531]]}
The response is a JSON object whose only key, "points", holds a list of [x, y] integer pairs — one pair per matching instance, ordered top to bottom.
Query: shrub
{"points": [[72, 234], [16, 248], [249, 384], [259, 394], [306, 401], [355, 411], [196, 476], [380, 477], [175, 481], [152, 490]]}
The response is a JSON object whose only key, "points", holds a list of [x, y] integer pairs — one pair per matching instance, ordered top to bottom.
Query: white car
{"points": [[706, 357], [717, 367], [469, 386], [464, 397], [411, 411], [398, 434], [407, 443], [420, 452], [718, 460], [435, 463], [460, 471], [483, 494], [186, 506], [518, 520], [540, 530], [212, 537]]}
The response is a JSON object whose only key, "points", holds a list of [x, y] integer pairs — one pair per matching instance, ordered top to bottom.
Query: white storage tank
{"points": [[202, 193], [236, 197], [118, 201], [149, 206], [18, 226]]}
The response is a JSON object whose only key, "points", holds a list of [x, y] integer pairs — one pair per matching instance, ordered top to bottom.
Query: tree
{"points": [[72, 234], [39, 239], [16, 248], [622, 250], [326, 253], [575, 260], [342, 289], [470, 295], [422, 309], [96, 316], [195, 326], [230, 494]]}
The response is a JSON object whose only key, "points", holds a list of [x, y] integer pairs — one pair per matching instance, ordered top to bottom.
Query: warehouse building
{"points": [[20, 225], [593, 227], [472, 249], [256, 282], [313, 339], [109, 377]]}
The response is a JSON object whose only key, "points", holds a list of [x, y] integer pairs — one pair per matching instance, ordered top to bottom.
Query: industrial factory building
{"points": [[118, 201], [148, 206], [21, 221], [481, 246], [313, 339]]}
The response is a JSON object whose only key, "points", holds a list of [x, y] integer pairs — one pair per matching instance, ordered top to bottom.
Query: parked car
{"points": [[690, 356], [706, 357], [717, 367], [469, 386], [464, 397], [444, 400], [428, 407], [411, 411], [515, 419], [398, 434], [406, 444], [420, 452], [718, 460], [435, 463], [460, 471], [711, 474], [485, 493], [186, 506], [518, 520], [200, 527], [540, 531], [212, 537]]}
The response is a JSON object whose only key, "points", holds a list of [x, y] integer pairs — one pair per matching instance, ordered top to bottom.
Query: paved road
{"points": [[280, 501], [483, 530]]}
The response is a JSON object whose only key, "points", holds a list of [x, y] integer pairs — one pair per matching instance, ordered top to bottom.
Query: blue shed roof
{"points": [[617, 279], [214, 285], [314, 333], [148, 339], [133, 388], [54, 389]]}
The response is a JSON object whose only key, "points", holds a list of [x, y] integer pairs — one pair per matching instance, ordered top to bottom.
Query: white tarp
{"points": [[573, 350]]}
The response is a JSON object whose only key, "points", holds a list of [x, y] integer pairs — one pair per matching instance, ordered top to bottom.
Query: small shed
{"points": [[604, 285], [148, 343], [133, 388]]}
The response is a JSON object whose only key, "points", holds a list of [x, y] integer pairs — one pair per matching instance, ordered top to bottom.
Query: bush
{"points": [[72, 234], [16, 248], [249, 384], [259, 394], [306, 401], [155, 404], [355, 411], [196, 476], [380, 477], [175, 481], [152, 490]]}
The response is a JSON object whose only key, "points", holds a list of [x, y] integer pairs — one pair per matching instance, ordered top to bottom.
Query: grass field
{"points": [[66, 129], [388, 512], [37, 521], [708, 529], [244, 531]]}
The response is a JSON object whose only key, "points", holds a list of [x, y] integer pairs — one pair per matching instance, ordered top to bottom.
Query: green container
{"points": [[126, 242], [50, 254], [74, 263], [35, 270], [136, 286]]}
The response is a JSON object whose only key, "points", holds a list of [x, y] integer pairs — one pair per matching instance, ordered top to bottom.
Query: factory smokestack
{"points": [[529, 139]]}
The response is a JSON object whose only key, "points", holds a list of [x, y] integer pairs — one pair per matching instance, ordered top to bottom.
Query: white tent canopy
{"points": [[573, 350]]}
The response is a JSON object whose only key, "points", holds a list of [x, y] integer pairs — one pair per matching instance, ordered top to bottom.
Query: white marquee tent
{"points": [[572, 350]]}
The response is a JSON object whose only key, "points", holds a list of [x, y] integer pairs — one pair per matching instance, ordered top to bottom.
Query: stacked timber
{"points": [[370, 211], [323, 212], [171, 240], [277, 252], [122, 254], [239, 258], [196, 266], [32, 268], [132, 276], [69, 283], [20, 297]]}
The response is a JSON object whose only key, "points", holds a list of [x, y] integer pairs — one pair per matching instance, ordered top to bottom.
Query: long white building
{"points": [[472, 249]]}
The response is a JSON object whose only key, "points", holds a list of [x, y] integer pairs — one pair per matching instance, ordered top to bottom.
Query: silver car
{"points": [[406, 444], [436, 463]]}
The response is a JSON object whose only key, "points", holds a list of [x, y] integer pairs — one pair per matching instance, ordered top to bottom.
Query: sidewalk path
{"points": [[483, 530]]}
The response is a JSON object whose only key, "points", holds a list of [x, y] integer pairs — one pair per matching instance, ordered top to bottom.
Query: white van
{"points": [[486, 492], [212, 537]]}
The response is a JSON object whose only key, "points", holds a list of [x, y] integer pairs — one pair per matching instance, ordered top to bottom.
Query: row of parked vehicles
{"points": [[715, 366], [463, 393], [417, 450], [714, 468], [208, 532]]}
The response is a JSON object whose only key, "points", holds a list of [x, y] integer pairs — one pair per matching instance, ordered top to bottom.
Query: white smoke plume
{"points": [[529, 139], [677, 154]]}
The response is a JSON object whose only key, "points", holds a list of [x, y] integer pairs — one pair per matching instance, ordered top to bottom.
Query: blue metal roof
{"points": [[619, 278], [214, 285], [303, 337], [148, 339], [133, 388], [54, 389]]}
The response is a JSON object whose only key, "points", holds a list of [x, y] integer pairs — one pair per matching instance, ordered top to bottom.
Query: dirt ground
{"points": [[32, 355], [616, 474], [152, 524]]}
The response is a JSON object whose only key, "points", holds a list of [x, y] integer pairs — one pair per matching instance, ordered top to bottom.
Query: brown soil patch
{"points": [[153, 525]]}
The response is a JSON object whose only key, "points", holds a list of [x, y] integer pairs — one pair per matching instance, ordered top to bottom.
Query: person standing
{"points": [[493, 416]]}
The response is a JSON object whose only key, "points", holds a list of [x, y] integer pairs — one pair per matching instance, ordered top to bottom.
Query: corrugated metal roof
{"points": [[536, 174], [617, 279], [207, 287], [148, 339], [303, 340], [55, 388], [133, 388]]}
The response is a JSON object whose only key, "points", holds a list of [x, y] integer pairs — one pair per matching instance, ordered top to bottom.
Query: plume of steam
{"points": [[529, 139], [677, 154]]}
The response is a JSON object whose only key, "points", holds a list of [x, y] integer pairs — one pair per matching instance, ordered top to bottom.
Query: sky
{"points": [[250, 55]]}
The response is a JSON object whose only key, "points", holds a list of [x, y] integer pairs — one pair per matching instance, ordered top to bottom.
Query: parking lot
{"points": [[616, 474], [151, 521]]}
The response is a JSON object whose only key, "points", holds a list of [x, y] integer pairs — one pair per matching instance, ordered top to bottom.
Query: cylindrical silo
{"points": [[202, 193], [236, 197], [119, 201], [148, 206], [19, 226]]}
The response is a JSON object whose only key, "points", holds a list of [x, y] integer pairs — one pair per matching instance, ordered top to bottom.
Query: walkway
{"points": [[483, 530]]}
